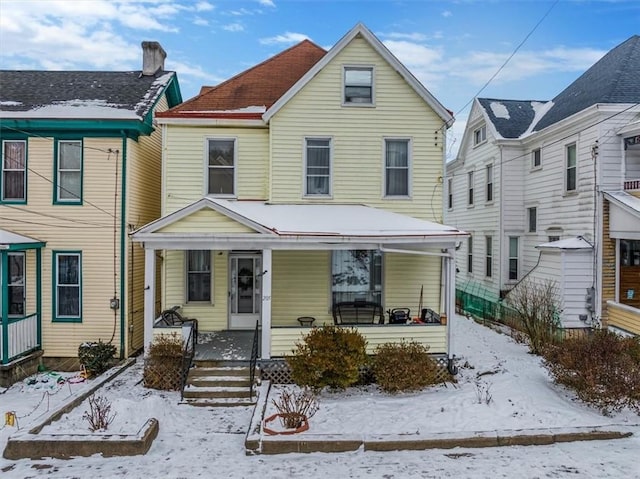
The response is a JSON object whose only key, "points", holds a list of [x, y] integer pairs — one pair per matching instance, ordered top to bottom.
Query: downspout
{"points": [[123, 210], [500, 226], [4, 284]]}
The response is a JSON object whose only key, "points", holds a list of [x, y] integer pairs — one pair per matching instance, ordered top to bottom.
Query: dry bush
{"points": [[536, 306], [328, 356], [163, 365], [404, 366], [603, 369], [293, 407], [99, 414]]}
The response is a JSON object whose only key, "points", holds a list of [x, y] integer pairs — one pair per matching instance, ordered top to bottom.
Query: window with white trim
{"points": [[358, 85], [479, 135], [536, 158], [396, 165], [221, 166], [317, 166], [571, 166], [13, 171], [69, 172], [489, 172], [470, 188], [450, 193], [532, 219], [470, 254], [513, 257], [488, 260], [356, 275], [198, 276], [16, 285], [67, 288]]}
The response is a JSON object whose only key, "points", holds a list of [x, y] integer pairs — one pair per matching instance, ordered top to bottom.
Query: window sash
{"points": [[358, 85], [479, 135], [536, 158], [221, 163], [318, 166], [396, 167], [14, 170], [69, 170], [571, 173], [490, 183], [470, 185], [450, 193], [533, 219], [470, 254], [489, 257], [513, 258], [356, 275], [198, 276], [16, 285], [67, 287]]}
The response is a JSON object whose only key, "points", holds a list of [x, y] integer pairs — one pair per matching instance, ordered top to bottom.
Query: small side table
{"points": [[306, 321]]}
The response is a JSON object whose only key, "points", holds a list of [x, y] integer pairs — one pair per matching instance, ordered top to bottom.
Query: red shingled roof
{"points": [[261, 85]]}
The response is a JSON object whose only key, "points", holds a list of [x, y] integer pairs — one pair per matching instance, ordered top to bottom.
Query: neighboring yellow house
{"points": [[81, 165], [311, 179]]}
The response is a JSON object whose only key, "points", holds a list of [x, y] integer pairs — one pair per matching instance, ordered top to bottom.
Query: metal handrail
{"points": [[188, 352], [253, 361]]}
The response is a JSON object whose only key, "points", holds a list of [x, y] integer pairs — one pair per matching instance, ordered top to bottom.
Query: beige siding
{"points": [[358, 135], [185, 162], [206, 221], [404, 275], [626, 318], [283, 340]]}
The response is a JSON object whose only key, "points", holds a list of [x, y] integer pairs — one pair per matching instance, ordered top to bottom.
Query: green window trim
{"points": [[56, 172], [14, 201], [55, 318]]}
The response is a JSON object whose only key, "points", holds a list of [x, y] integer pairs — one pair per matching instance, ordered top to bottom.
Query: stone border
{"points": [[31, 444]]}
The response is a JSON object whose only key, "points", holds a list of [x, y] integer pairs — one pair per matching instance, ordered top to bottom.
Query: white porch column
{"points": [[149, 296], [266, 303], [450, 305]]}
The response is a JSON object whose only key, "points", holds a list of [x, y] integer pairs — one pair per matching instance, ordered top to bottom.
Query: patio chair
{"points": [[172, 317]]}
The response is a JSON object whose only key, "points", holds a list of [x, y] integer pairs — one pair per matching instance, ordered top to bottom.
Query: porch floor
{"points": [[224, 346]]}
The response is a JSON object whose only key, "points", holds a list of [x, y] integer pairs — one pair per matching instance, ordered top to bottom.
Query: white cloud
{"points": [[267, 3], [203, 7], [239, 13], [446, 13], [201, 22], [233, 27], [416, 37], [286, 38], [423, 61], [188, 70]]}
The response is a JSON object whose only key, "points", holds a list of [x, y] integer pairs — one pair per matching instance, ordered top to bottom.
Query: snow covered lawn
{"points": [[500, 386]]}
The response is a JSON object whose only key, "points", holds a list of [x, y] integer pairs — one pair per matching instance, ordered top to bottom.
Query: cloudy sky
{"points": [[453, 47]]}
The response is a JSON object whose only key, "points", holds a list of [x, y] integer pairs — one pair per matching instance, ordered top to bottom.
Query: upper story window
{"points": [[358, 86], [479, 135], [536, 158], [221, 166], [317, 166], [396, 166], [571, 168], [13, 173], [489, 183], [68, 186], [470, 187], [450, 193], [532, 217], [470, 254], [513, 257], [488, 267], [198, 275], [16, 284], [67, 287]]}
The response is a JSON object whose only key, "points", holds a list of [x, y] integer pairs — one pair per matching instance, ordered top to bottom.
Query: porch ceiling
{"points": [[300, 226]]}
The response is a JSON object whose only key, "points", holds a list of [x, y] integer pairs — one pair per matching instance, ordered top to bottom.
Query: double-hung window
{"points": [[358, 86], [479, 135], [536, 158], [396, 163], [221, 166], [317, 166], [571, 168], [14, 171], [69, 172], [489, 183], [470, 188], [450, 193], [532, 217], [470, 254], [513, 257], [488, 260], [356, 275], [198, 276], [16, 285], [67, 286]]}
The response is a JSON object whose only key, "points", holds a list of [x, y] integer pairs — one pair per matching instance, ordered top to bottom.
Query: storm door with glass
{"points": [[245, 290]]}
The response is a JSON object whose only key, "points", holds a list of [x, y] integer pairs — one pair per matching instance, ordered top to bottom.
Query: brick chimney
{"points": [[153, 56]]}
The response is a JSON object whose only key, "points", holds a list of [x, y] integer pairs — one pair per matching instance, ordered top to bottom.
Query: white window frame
{"points": [[345, 69], [480, 135], [538, 152], [306, 166], [208, 167], [408, 168], [567, 168], [4, 170], [60, 171], [489, 183], [470, 188], [450, 193], [532, 219], [470, 254], [488, 256], [515, 258], [187, 272], [21, 283]]}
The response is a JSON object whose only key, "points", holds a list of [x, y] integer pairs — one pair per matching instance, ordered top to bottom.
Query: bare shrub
{"points": [[536, 306], [328, 356], [163, 365], [404, 366], [603, 369], [483, 392], [294, 407], [99, 414]]}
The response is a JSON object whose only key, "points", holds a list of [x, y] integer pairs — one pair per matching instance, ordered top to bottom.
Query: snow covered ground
{"points": [[200, 442]]}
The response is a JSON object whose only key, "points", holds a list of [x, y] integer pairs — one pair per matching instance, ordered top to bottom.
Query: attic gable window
{"points": [[358, 86], [480, 135], [221, 166]]}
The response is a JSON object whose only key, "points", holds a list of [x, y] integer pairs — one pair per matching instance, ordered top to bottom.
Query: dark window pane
{"points": [[221, 152], [221, 181], [68, 301]]}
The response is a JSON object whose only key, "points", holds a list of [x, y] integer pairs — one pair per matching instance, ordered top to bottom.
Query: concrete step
{"points": [[215, 363], [219, 371], [219, 381], [216, 392], [220, 402]]}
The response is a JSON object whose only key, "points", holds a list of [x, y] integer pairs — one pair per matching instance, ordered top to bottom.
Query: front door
{"points": [[245, 290]]}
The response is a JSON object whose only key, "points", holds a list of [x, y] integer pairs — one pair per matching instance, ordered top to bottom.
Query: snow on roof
{"points": [[76, 109], [540, 109], [499, 110], [625, 199], [333, 220], [9, 238], [570, 243]]}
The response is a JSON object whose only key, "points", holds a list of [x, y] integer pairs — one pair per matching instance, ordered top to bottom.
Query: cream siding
{"points": [[358, 135], [185, 163], [206, 221], [405, 275], [624, 317]]}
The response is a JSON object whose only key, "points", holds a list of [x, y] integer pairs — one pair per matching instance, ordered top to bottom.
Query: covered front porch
{"points": [[290, 255]]}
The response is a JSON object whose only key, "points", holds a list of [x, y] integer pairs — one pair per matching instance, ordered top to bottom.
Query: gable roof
{"points": [[364, 32], [613, 79], [250, 93], [87, 95], [511, 118]]}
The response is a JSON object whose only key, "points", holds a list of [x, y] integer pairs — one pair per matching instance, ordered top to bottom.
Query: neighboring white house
{"points": [[532, 173]]}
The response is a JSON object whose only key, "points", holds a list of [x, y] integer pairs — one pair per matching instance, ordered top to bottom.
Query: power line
{"points": [[48, 138], [46, 215], [27, 222]]}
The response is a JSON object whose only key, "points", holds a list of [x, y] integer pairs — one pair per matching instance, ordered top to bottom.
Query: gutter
{"points": [[123, 210]]}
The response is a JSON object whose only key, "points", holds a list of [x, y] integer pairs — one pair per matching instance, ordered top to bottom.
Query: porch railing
{"points": [[632, 185], [21, 337], [188, 351], [253, 360]]}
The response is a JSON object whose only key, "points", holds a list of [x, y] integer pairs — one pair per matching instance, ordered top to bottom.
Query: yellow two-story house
{"points": [[81, 165], [311, 180]]}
